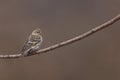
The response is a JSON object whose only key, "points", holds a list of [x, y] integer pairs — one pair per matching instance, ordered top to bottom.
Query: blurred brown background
{"points": [[94, 58]]}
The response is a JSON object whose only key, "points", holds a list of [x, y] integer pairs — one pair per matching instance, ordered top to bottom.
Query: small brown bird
{"points": [[33, 42]]}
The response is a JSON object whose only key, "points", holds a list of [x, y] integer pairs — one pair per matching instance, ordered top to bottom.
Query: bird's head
{"points": [[37, 32]]}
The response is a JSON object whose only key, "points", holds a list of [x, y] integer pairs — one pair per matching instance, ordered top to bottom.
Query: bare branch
{"points": [[80, 37]]}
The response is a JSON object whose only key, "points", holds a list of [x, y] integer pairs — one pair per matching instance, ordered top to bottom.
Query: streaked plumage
{"points": [[33, 42]]}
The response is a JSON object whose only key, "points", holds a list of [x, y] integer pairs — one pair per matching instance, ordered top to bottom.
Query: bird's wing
{"points": [[25, 46]]}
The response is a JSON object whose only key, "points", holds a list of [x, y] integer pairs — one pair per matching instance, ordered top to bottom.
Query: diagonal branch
{"points": [[64, 43]]}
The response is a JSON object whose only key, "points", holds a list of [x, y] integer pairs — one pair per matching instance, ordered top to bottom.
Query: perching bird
{"points": [[33, 42]]}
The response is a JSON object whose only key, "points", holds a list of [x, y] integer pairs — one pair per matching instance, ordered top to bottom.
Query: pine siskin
{"points": [[33, 42]]}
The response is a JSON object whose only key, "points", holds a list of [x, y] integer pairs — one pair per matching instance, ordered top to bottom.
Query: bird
{"points": [[33, 43]]}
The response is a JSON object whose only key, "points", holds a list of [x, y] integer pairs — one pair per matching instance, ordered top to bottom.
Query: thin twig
{"points": [[80, 37]]}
